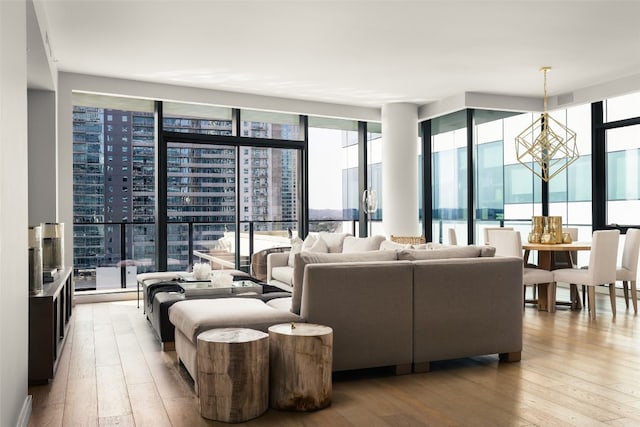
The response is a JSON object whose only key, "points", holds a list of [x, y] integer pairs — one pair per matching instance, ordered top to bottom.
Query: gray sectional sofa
{"points": [[402, 308]]}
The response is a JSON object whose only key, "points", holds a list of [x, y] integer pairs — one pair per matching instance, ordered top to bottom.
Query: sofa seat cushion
{"points": [[304, 258], [282, 274], [280, 303], [197, 315]]}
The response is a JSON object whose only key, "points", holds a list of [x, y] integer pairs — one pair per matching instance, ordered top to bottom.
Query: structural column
{"points": [[400, 169]]}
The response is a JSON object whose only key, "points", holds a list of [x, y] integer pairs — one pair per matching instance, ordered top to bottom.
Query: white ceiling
{"points": [[363, 53]]}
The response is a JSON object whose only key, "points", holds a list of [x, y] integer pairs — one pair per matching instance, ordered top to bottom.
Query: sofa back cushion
{"points": [[362, 244], [388, 245], [471, 251], [304, 258]]}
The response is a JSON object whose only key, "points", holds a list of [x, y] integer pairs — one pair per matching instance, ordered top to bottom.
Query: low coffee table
{"points": [[207, 289], [158, 310]]}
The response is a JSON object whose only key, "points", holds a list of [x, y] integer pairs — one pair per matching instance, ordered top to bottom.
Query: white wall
{"points": [[42, 156], [64, 167], [15, 404]]}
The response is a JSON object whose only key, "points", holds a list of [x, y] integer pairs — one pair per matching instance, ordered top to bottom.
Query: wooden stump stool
{"points": [[300, 359], [233, 374]]}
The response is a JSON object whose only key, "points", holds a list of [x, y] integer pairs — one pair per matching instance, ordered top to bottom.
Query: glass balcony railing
{"points": [[108, 256]]}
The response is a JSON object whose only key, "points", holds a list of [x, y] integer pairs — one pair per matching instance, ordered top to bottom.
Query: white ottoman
{"points": [[191, 317]]}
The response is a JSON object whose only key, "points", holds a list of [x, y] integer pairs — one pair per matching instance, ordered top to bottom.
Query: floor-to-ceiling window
{"points": [[490, 147], [623, 160], [449, 170], [374, 172], [623, 175], [229, 178], [201, 182], [250, 184], [522, 188], [114, 190], [269, 190], [570, 190], [505, 191], [233, 195], [201, 199], [334, 199]]}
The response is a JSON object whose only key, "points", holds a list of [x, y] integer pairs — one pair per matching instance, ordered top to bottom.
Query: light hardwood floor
{"points": [[574, 371]]}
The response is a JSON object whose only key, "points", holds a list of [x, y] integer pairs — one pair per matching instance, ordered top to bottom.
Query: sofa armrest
{"points": [[278, 259], [259, 261], [368, 305], [467, 307]]}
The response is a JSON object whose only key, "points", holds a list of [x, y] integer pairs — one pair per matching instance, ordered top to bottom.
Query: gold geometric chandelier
{"points": [[547, 142]]}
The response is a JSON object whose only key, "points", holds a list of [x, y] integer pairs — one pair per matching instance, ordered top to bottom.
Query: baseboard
{"points": [[101, 296], [25, 412]]}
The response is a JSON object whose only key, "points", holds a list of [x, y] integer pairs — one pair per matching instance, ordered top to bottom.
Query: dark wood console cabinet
{"points": [[49, 316]]}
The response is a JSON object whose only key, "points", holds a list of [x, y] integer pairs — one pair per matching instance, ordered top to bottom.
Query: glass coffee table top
{"points": [[199, 288]]}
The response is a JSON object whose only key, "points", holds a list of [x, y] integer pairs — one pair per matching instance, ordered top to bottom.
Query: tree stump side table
{"points": [[300, 359], [233, 374]]}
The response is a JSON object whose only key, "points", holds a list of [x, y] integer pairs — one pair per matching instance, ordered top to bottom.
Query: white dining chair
{"points": [[486, 231], [453, 239], [509, 243], [567, 259], [600, 271], [628, 271]]}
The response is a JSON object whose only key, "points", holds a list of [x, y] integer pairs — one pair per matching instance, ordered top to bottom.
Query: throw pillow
{"points": [[333, 240], [308, 242], [362, 244], [388, 245], [319, 246], [296, 247], [487, 251]]}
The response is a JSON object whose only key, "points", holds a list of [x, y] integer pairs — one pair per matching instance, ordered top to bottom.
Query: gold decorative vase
{"points": [[554, 227], [537, 229], [546, 229]]}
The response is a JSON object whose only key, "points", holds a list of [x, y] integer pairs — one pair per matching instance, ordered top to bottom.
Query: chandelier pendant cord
{"points": [[544, 70]]}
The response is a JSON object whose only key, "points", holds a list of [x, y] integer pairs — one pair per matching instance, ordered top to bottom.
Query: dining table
{"points": [[547, 261]]}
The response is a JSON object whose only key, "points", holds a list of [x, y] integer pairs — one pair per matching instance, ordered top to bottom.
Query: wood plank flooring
{"points": [[574, 372]]}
